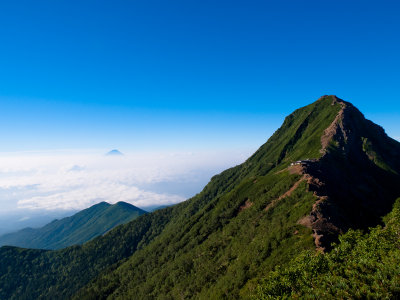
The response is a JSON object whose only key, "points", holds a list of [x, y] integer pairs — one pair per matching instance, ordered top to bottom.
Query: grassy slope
{"points": [[77, 229], [204, 247]]}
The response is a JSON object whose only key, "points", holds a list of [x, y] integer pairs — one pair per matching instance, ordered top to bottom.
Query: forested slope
{"points": [[360, 266]]}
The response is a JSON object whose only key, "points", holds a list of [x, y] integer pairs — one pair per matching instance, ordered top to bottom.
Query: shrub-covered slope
{"points": [[249, 218], [77, 229], [360, 266]]}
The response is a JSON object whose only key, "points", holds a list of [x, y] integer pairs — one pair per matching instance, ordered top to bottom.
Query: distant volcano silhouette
{"points": [[114, 152]]}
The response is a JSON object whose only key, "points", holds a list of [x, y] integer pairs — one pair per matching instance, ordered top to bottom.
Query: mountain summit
{"points": [[325, 170]]}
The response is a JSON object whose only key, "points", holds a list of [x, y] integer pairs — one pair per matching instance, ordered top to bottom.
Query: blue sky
{"points": [[187, 74]]}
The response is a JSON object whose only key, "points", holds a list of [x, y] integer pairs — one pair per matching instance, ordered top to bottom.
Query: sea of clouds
{"points": [[74, 180]]}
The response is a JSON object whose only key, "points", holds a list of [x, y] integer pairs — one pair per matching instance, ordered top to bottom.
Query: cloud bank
{"points": [[74, 181]]}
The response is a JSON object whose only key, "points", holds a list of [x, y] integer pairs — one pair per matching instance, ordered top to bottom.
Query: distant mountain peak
{"points": [[114, 152]]}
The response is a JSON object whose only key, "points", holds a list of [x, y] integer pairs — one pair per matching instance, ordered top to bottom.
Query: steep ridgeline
{"points": [[356, 179], [247, 220], [77, 229]]}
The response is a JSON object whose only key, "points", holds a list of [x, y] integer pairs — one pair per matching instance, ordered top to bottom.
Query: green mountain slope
{"points": [[247, 220], [77, 229], [239, 235]]}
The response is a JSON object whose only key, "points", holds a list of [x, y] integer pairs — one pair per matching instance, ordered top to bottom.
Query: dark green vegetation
{"points": [[247, 220], [77, 229], [360, 266]]}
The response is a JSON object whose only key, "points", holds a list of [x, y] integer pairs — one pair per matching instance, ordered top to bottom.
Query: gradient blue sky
{"points": [[188, 74]]}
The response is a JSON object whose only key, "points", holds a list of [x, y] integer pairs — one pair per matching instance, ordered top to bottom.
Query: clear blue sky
{"points": [[186, 74]]}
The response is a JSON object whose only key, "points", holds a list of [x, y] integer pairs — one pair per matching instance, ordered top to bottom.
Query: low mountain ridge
{"points": [[247, 220], [77, 229]]}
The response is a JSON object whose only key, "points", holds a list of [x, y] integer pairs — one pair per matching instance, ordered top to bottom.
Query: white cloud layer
{"points": [[73, 181]]}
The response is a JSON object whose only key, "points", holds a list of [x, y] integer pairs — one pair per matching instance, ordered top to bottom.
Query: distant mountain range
{"points": [[77, 229], [261, 230]]}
